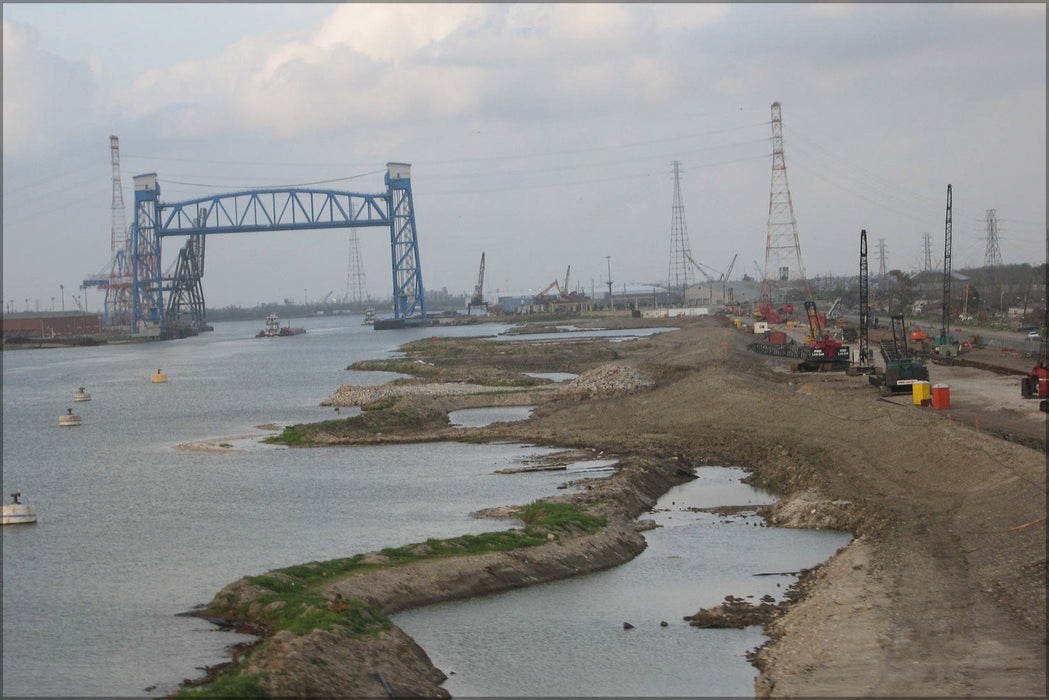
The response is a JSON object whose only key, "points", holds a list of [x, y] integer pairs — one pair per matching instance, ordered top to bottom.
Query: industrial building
{"points": [[50, 324]]}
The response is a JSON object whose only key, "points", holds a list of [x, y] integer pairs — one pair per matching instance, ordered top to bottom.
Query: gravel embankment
{"points": [[604, 380]]}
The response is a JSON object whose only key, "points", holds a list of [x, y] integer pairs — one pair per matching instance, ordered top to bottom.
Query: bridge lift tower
{"points": [[260, 211]]}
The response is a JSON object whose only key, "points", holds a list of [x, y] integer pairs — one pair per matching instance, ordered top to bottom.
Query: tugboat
{"points": [[274, 329], [81, 395], [69, 419], [17, 512]]}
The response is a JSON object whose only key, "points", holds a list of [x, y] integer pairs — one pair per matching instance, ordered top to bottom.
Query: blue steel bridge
{"points": [[151, 303]]}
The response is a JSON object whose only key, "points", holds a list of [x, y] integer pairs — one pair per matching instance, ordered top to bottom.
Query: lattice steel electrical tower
{"points": [[782, 245], [993, 255], [882, 273], [680, 276], [118, 286], [355, 288]]}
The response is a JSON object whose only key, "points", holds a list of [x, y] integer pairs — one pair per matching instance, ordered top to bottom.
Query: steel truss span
{"points": [[258, 211]]}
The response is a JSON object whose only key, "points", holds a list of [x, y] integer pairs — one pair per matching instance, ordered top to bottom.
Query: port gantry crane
{"points": [[275, 209]]}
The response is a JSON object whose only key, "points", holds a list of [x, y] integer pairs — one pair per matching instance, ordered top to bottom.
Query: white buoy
{"points": [[69, 419], [17, 512]]}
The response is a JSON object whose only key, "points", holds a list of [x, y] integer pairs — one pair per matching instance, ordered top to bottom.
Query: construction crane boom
{"points": [[700, 268], [728, 273], [564, 287], [541, 296], [478, 297]]}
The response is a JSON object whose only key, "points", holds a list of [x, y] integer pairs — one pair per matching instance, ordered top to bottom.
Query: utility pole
{"points": [[608, 260], [63, 288]]}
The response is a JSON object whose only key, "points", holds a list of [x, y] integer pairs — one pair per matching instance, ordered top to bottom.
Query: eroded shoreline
{"points": [[713, 405]]}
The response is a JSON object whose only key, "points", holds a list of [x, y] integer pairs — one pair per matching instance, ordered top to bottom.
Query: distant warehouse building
{"points": [[637, 296], [50, 324]]}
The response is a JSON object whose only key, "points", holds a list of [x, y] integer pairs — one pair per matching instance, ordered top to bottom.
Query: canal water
{"points": [[132, 531], [567, 638]]}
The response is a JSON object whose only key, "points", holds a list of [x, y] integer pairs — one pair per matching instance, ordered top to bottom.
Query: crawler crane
{"points": [[825, 353]]}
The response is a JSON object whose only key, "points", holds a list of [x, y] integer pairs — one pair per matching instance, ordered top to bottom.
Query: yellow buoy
{"points": [[159, 377]]}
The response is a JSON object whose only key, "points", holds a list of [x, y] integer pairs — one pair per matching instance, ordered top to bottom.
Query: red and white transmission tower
{"points": [[782, 248], [118, 290]]}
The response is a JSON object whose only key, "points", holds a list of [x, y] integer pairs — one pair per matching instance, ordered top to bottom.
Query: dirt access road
{"points": [[943, 591]]}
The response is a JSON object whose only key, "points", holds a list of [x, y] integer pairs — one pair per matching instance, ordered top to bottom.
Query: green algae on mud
{"points": [[389, 417], [292, 599]]}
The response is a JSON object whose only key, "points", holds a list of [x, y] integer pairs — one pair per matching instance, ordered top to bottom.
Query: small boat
{"points": [[369, 318], [273, 329], [81, 395], [69, 419], [17, 512]]}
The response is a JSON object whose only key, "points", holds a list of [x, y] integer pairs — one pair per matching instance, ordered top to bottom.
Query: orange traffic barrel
{"points": [[941, 396]]}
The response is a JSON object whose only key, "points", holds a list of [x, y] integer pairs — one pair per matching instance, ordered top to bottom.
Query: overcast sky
{"points": [[542, 135]]}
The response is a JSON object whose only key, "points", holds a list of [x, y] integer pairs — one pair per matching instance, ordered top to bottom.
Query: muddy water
{"points": [[568, 639]]}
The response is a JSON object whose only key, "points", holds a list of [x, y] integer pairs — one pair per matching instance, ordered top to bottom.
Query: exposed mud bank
{"points": [[942, 592], [338, 661]]}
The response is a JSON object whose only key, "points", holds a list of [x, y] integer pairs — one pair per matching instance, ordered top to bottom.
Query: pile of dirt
{"points": [[610, 379]]}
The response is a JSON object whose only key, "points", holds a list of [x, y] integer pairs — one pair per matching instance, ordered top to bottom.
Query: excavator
{"points": [[478, 296]]}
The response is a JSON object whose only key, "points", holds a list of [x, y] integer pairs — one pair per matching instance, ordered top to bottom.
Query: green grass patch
{"points": [[375, 420], [561, 516], [292, 599], [230, 684]]}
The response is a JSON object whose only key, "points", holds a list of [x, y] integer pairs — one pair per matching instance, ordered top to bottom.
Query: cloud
{"points": [[388, 32], [386, 67], [47, 100]]}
